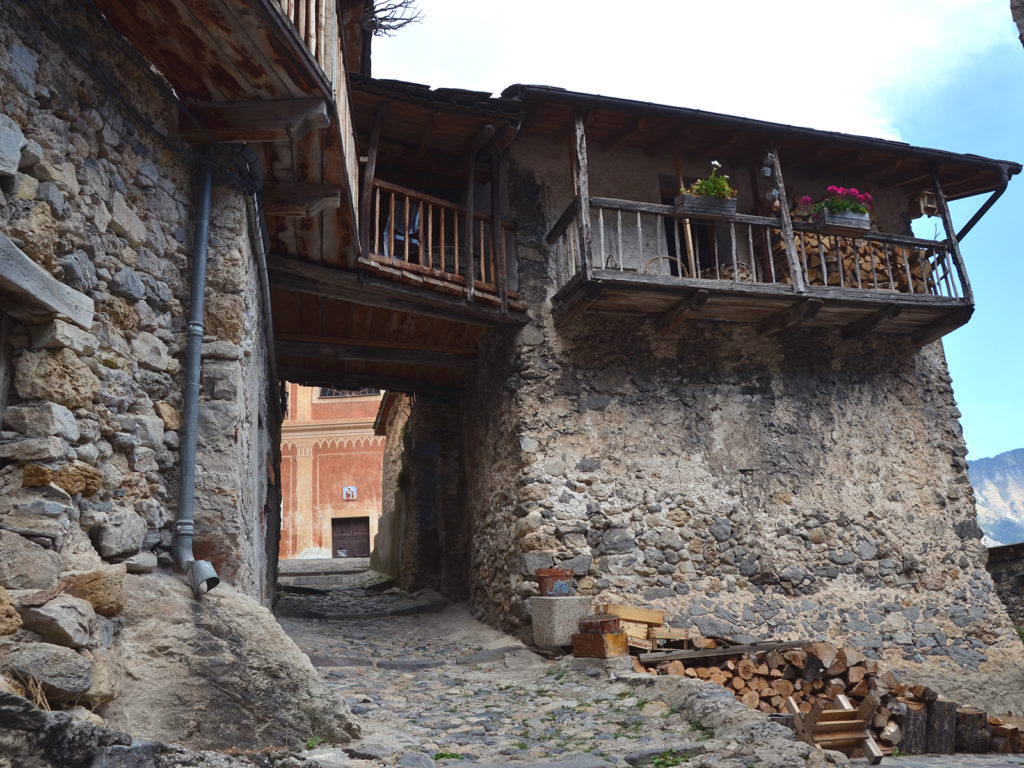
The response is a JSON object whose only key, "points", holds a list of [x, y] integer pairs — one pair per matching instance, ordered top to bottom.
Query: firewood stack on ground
{"points": [[813, 676], [809, 682]]}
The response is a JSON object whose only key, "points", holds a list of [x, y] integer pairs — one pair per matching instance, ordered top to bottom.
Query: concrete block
{"points": [[556, 619]]}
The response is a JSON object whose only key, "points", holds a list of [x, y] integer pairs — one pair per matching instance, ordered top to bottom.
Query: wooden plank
{"points": [[253, 121], [583, 194], [302, 199], [366, 209], [947, 223], [795, 270], [30, 287], [365, 290], [789, 317], [668, 321], [865, 325], [940, 327], [347, 352], [344, 379], [633, 614], [668, 633], [717, 653]]}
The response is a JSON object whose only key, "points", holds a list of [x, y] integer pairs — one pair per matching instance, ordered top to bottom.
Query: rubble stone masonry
{"points": [[89, 458], [799, 487]]}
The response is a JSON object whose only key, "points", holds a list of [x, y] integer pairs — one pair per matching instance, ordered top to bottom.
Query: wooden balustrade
{"points": [[426, 235], [650, 239]]}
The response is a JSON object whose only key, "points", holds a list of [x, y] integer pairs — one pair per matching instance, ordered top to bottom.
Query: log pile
{"points": [[873, 264], [801, 678]]}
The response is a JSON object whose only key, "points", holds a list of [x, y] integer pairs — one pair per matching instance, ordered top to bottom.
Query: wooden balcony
{"points": [[424, 240], [642, 258]]}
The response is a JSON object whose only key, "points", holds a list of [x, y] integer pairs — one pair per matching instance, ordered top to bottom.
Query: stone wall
{"points": [[90, 433], [797, 487], [386, 556], [1006, 566]]}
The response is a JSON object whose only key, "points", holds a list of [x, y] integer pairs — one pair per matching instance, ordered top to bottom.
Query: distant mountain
{"points": [[999, 490]]}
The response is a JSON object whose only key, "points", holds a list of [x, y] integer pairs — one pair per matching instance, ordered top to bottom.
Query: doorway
{"points": [[350, 535]]}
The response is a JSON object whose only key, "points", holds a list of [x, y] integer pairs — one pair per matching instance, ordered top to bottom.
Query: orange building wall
{"points": [[327, 444]]}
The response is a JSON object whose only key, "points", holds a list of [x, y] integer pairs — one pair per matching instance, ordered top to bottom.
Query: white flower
{"points": [[715, 164]]}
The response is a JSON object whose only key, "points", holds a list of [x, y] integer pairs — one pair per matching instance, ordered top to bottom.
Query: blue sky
{"points": [[941, 73]]}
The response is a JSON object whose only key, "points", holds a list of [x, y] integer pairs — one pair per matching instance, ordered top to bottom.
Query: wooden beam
{"points": [[253, 121], [429, 126], [625, 134], [482, 136], [366, 193], [582, 194], [301, 199], [954, 246], [796, 274], [366, 290], [31, 291], [790, 316], [669, 320], [862, 327], [939, 328], [390, 340], [370, 354], [310, 377]]}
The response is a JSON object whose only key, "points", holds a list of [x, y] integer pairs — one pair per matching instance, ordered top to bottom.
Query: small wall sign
{"points": [[348, 493]]}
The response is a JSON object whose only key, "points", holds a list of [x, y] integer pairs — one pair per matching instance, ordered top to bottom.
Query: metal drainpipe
{"points": [[198, 572]]}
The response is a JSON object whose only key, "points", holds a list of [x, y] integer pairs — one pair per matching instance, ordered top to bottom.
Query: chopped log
{"points": [[825, 652], [853, 656], [796, 657], [774, 660], [637, 666], [871, 666], [675, 668], [746, 668], [762, 669], [813, 669], [690, 672], [703, 673], [855, 674], [718, 678], [738, 683], [884, 683], [834, 687], [784, 688], [860, 689], [922, 692], [751, 700], [882, 716], [915, 724], [972, 730], [940, 733], [891, 734]]}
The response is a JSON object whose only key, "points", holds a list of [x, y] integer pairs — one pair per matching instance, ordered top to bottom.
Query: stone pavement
{"points": [[431, 686]]}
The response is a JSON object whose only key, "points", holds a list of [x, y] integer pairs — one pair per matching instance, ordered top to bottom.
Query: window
{"points": [[328, 392]]}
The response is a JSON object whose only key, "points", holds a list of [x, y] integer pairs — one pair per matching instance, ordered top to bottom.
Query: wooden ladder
{"points": [[842, 728]]}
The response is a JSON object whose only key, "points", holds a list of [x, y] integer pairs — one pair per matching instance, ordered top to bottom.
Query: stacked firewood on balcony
{"points": [[878, 265], [812, 682]]}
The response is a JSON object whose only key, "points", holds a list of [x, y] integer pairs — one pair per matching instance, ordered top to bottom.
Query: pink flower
{"points": [[833, 188], [841, 191], [853, 191], [805, 200]]}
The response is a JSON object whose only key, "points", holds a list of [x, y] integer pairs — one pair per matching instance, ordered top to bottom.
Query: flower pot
{"points": [[704, 207], [846, 223], [555, 582]]}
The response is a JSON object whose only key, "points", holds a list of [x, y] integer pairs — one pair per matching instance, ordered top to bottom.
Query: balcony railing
{"points": [[426, 239], [649, 239]]}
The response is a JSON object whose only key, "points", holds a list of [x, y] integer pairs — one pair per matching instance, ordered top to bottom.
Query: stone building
{"points": [[742, 417], [330, 472], [1006, 565]]}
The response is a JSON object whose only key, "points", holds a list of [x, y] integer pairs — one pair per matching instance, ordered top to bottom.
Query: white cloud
{"points": [[847, 67]]}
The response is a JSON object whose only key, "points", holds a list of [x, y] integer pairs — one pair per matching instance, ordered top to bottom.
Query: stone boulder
{"points": [[26, 565], [102, 588], [10, 619], [64, 620], [64, 674], [226, 676], [32, 738]]}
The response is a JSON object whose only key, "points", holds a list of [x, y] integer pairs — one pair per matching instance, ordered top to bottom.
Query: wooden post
{"points": [[484, 134], [499, 166], [369, 172], [582, 195], [954, 245], [795, 270], [915, 724], [940, 731]]}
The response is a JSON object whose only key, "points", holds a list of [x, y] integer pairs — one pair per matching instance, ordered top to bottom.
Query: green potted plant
{"points": [[710, 198], [845, 211]]}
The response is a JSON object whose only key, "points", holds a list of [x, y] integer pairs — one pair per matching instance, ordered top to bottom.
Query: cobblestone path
{"points": [[431, 686]]}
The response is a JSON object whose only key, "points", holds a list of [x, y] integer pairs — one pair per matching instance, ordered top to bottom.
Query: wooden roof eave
{"points": [[616, 116]]}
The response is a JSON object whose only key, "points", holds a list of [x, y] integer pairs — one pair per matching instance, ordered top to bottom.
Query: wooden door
{"points": [[351, 534]]}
